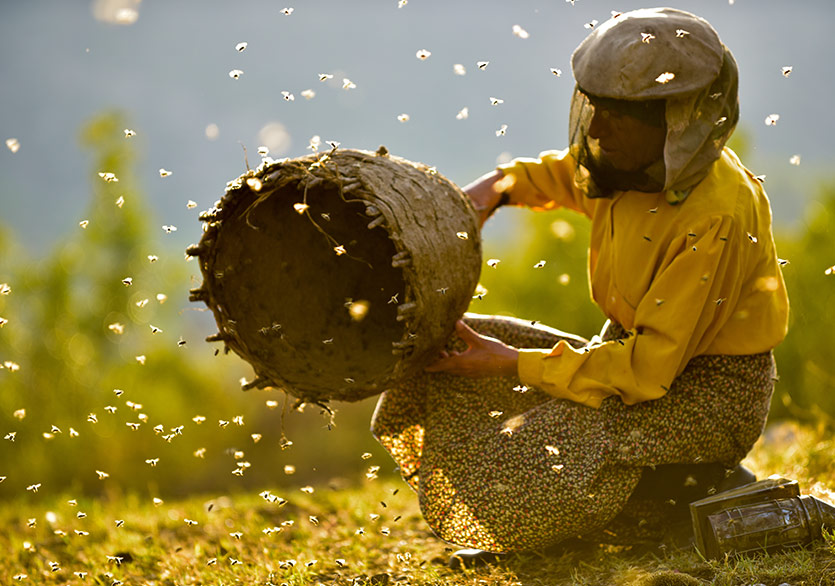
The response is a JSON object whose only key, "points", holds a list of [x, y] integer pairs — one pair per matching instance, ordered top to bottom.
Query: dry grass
{"points": [[370, 534]]}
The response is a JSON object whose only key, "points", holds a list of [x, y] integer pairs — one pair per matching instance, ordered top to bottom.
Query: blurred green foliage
{"points": [[86, 357], [806, 359], [72, 388]]}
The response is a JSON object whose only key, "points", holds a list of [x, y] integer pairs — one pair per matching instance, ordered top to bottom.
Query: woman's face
{"points": [[624, 142]]}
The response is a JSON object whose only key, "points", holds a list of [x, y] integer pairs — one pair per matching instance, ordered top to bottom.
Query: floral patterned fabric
{"points": [[502, 468]]}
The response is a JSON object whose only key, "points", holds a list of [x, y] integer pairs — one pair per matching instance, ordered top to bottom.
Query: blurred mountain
{"points": [[169, 72]]}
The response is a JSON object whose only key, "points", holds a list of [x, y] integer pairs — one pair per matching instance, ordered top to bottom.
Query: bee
{"points": [[520, 32], [647, 37], [240, 47], [423, 54], [482, 65], [665, 77], [496, 101]]}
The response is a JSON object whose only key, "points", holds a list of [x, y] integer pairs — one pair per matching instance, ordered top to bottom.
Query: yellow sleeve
{"points": [[544, 183], [693, 291]]}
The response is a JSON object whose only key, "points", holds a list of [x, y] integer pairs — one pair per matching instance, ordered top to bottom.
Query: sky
{"points": [[166, 66]]}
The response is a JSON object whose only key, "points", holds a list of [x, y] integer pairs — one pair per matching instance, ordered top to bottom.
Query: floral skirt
{"points": [[501, 467]]}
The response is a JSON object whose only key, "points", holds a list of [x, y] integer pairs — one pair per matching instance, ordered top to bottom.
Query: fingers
{"points": [[466, 333]]}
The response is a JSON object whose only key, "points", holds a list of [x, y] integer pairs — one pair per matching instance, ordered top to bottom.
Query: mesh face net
{"points": [[700, 96]]}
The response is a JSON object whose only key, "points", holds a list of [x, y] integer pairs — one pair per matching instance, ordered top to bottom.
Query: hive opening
{"points": [[328, 314]]}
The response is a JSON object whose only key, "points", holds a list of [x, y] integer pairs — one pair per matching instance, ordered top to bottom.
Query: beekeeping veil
{"points": [[656, 54]]}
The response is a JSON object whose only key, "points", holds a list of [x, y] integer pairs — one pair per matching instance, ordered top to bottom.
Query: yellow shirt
{"points": [[697, 277]]}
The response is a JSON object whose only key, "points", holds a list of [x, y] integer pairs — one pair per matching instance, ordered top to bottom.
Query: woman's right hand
{"points": [[485, 193]]}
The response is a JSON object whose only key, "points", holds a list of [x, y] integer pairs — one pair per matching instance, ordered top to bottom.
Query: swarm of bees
{"points": [[357, 310]]}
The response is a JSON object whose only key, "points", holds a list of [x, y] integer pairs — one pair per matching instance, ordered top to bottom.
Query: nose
{"points": [[600, 125]]}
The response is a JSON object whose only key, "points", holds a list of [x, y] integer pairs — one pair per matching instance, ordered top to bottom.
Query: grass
{"points": [[371, 533]]}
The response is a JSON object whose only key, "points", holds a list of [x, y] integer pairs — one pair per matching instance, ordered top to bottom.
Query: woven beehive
{"points": [[336, 275]]}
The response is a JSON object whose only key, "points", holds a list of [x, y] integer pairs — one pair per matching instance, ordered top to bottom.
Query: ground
{"points": [[367, 534]]}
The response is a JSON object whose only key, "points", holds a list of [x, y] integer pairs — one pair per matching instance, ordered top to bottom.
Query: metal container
{"points": [[764, 516]]}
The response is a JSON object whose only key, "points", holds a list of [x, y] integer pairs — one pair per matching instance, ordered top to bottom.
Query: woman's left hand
{"points": [[483, 357]]}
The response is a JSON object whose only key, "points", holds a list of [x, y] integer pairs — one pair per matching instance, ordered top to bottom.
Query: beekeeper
{"points": [[521, 436]]}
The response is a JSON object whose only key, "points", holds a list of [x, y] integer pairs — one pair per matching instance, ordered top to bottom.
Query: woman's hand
{"points": [[485, 193], [483, 357]]}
